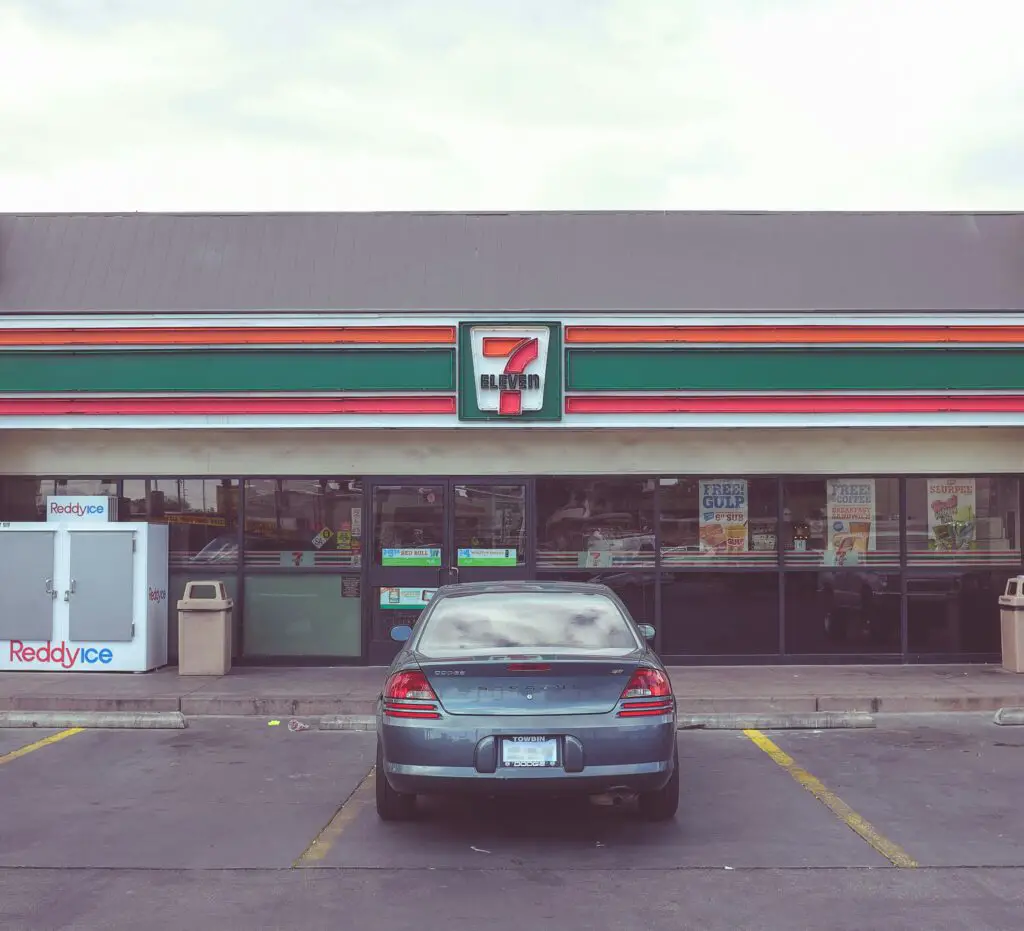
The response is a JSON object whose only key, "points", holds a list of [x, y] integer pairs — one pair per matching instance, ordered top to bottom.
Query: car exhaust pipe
{"points": [[613, 798]]}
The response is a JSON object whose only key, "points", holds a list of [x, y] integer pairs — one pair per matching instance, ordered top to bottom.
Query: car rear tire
{"points": [[663, 804], [391, 805]]}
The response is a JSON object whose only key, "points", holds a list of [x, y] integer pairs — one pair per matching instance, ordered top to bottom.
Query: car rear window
{"points": [[499, 621]]}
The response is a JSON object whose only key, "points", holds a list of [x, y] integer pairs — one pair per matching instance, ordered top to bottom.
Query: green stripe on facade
{"points": [[794, 369], [200, 370]]}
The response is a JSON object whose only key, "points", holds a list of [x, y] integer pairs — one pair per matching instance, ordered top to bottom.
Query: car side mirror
{"points": [[647, 630], [401, 633]]}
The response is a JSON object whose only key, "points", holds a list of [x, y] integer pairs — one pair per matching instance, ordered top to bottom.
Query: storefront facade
{"points": [[787, 484]]}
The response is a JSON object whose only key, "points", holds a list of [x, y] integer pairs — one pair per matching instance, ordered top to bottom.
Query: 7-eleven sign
{"points": [[509, 368]]}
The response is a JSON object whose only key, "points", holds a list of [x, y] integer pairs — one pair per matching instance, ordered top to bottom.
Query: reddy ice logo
{"points": [[510, 365], [82, 508], [76, 509], [60, 655]]}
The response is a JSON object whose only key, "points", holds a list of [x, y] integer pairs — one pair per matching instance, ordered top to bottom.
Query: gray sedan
{"points": [[527, 687]]}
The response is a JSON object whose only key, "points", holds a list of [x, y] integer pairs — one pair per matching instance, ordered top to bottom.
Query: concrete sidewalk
{"points": [[352, 690]]}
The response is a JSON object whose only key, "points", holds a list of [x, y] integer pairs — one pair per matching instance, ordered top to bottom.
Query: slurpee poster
{"points": [[850, 514], [952, 525]]}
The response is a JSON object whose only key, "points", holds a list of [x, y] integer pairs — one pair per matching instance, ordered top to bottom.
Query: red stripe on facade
{"points": [[819, 404], [191, 406]]}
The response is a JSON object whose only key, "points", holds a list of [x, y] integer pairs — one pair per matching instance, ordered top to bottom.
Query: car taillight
{"points": [[408, 694], [647, 694]]}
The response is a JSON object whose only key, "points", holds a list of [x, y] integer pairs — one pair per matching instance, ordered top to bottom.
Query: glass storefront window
{"points": [[23, 498], [201, 515], [965, 520], [719, 521], [841, 522], [303, 523], [595, 523], [490, 525], [408, 526], [842, 611], [954, 612], [719, 613], [302, 615]]}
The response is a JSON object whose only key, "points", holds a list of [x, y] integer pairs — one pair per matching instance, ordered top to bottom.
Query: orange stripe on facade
{"points": [[782, 335], [231, 336], [498, 347]]}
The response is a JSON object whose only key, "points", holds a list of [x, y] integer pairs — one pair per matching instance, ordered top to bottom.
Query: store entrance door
{"points": [[432, 532]]}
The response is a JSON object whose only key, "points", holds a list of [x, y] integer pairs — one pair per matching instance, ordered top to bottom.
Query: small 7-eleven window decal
{"points": [[509, 367]]}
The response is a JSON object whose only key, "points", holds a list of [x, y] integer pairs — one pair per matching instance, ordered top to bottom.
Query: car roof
{"points": [[523, 586]]}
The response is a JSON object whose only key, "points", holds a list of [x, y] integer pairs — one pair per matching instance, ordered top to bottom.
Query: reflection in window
{"points": [[24, 499], [201, 515], [966, 520], [724, 521], [841, 522], [303, 523], [595, 523], [408, 525], [490, 525], [842, 611], [955, 612], [719, 613]]}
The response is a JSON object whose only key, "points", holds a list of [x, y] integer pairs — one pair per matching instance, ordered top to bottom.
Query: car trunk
{"points": [[534, 685]]}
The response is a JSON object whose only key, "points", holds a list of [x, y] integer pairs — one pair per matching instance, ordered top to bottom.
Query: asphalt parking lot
{"points": [[916, 823]]}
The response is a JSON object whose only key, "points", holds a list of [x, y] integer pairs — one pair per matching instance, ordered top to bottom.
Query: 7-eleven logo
{"points": [[509, 365]]}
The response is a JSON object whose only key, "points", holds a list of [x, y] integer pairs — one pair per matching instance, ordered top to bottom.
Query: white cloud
{"points": [[538, 104]]}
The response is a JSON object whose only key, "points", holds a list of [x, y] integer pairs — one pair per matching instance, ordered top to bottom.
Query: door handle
{"points": [[454, 571], [50, 590], [68, 592]]}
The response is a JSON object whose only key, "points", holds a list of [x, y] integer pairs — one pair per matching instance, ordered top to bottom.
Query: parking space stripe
{"points": [[39, 744], [343, 817], [891, 851]]}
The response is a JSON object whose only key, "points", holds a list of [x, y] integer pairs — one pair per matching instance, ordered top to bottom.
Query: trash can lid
{"points": [[203, 589]]}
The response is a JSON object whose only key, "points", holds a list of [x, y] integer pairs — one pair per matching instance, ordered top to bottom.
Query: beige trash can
{"points": [[1011, 616], [204, 630]]}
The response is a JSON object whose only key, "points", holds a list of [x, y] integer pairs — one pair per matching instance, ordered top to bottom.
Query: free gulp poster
{"points": [[724, 507]]}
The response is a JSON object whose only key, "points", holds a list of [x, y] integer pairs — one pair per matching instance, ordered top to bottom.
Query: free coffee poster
{"points": [[724, 508], [952, 515], [850, 517]]}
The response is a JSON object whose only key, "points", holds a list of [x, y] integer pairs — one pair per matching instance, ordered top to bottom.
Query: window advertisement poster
{"points": [[724, 510], [952, 514], [850, 515], [421, 556], [487, 557], [404, 599]]}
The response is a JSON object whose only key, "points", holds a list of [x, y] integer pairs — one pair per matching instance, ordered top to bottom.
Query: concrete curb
{"points": [[196, 706], [1009, 716], [173, 720], [823, 720], [348, 722]]}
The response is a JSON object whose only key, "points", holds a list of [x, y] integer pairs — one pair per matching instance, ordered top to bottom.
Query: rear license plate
{"points": [[525, 752]]}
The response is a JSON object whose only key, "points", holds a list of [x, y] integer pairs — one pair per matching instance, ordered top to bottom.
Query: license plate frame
{"points": [[529, 751]]}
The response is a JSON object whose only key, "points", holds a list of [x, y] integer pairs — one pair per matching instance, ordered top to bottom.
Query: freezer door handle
{"points": [[50, 590]]}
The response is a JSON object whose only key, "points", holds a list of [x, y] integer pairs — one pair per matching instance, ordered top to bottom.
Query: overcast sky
{"points": [[511, 104]]}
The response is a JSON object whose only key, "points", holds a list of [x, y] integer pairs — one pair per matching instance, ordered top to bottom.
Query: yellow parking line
{"points": [[45, 742], [349, 811], [891, 851]]}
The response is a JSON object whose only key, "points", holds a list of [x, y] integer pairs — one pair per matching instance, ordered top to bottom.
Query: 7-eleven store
{"points": [[760, 489]]}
